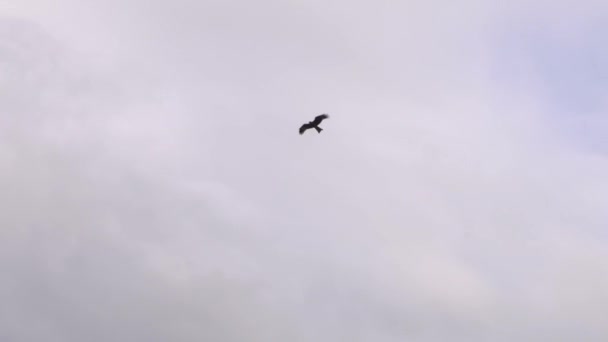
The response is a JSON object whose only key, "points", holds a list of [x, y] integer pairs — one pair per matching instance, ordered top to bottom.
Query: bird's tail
{"points": [[319, 129]]}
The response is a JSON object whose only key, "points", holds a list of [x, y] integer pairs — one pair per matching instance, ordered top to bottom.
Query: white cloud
{"points": [[155, 187]]}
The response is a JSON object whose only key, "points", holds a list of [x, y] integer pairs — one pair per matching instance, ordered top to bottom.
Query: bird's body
{"points": [[314, 124]]}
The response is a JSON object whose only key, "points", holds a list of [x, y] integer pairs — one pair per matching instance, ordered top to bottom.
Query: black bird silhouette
{"points": [[314, 124]]}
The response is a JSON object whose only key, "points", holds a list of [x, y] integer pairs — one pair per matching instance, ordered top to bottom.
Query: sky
{"points": [[155, 188]]}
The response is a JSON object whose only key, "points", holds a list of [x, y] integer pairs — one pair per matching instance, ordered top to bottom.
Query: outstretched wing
{"points": [[319, 118], [304, 128]]}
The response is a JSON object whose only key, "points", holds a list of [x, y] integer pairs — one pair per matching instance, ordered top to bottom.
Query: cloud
{"points": [[155, 187]]}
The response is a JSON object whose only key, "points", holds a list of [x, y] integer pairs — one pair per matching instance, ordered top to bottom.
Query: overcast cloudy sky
{"points": [[154, 186]]}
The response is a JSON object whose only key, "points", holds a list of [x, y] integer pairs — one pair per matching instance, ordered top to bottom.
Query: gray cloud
{"points": [[155, 187]]}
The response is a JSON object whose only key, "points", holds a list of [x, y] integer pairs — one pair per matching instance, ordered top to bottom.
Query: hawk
{"points": [[314, 124]]}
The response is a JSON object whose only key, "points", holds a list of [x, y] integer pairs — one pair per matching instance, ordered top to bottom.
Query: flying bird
{"points": [[314, 124]]}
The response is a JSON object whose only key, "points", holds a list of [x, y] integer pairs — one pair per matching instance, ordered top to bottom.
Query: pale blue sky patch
{"points": [[570, 74]]}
